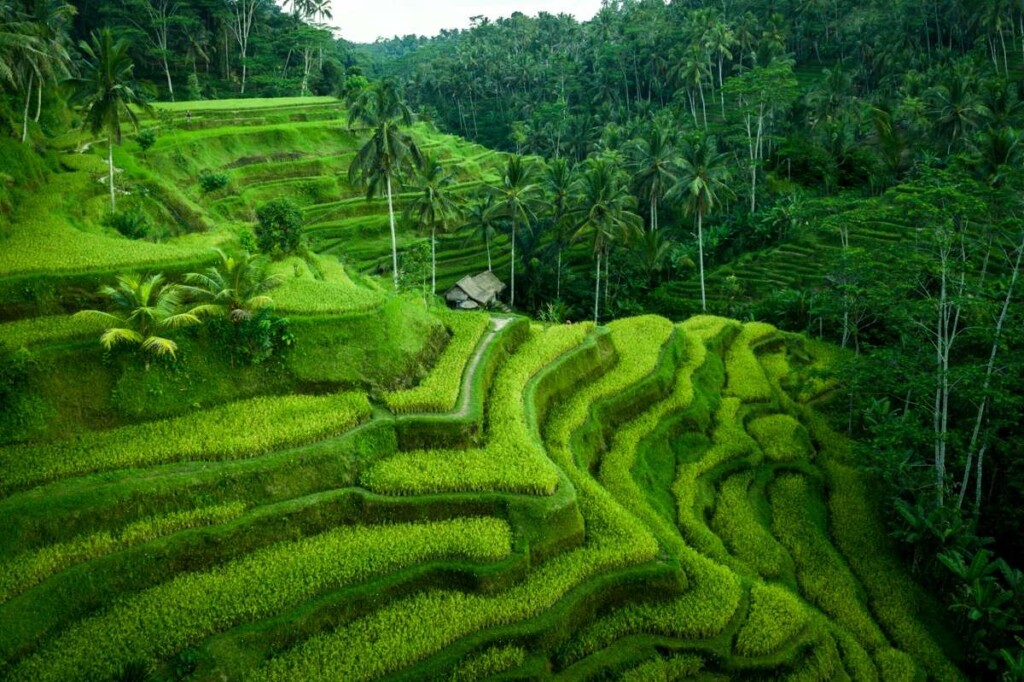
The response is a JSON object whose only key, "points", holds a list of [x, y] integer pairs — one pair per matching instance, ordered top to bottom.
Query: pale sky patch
{"points": [[363, 21]]}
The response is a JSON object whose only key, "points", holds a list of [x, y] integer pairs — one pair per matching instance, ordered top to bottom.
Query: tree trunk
{"points": [[167, 72], [39, 100], [28, 101], [110, 171], [394, 236], [487, 245], [700, 251], [433, 262], [558, 276], [597, 284], [512, 294], [985, 387]]}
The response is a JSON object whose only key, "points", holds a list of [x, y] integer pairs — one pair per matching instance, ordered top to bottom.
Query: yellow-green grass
{"points": [[241, 104], [320, 286], [49, 330], [439, 390], [243, 429], [781, 437], [514, 460], [736, 521], [30, 568], [776, 616], [156, 623], [493, 661]]}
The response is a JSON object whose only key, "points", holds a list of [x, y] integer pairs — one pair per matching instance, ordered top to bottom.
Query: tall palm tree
{"points": [[18, 41], [106, 90], [956, 108], [388, 152], [651, 159], [702, 177], [559, 183], [516, 199], [434, 207], [606, 212], [480, 217], [234, 288], [143, 308]]}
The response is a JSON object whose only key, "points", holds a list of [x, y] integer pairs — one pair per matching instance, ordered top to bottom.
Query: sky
{"points": [[363, 21]]}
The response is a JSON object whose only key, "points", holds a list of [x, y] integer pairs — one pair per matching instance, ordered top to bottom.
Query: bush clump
{"points": [[211, 181], [279, 228]]}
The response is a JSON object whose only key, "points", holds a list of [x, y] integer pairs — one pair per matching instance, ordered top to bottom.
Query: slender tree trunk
{"points": [[167, 72], [39, 100], [28, 101], [703, 104], [110, 172], [654, 212], [394, 236], [487, 245], [700, 251], [433, 261], [558, 276], [607, 276], [597, 284], [512, 295], [984, 391]]}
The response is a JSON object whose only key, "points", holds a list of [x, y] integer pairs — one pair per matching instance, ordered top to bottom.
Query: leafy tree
{"points": [[107, 91], [388, 152], [652, 159], [702, 178], [559, 184], [517, 200], [435, 206], [605, 213], [481, 218], [279, 227], [144, 310]]}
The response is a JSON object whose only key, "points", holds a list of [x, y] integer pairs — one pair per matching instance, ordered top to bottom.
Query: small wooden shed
{"points": [[475, 291]]}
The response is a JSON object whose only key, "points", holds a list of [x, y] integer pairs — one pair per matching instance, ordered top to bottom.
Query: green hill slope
{"points": [[408, 493]]}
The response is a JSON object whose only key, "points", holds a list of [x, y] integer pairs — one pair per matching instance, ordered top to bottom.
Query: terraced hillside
{"points": [[410, 493], [641, 501]]}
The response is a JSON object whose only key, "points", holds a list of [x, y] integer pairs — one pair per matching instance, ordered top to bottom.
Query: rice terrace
{"points": [[679, 341]]}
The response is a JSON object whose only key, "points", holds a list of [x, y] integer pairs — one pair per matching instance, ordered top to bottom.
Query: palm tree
{"points": [[50, 20], [18, 41], [106, 90], [956, 108], [389, 150], [651, 160], [702, 177], [559, 182], [516, 199], [434, 206], [605, 212], [480, 217], [234, 288], [143, 309]]}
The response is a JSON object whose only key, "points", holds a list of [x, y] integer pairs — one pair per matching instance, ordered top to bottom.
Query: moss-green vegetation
{"points": [[402, 491]]}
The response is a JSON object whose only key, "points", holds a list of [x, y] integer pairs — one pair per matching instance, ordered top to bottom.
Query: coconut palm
{"points": [[18, 41], [106, 90], [388, 152], [651, 159], [702, 177], [559, 183], [516, 199], [434, 206], [605, 213], [481, 218], [234, 288], [143, 309]]}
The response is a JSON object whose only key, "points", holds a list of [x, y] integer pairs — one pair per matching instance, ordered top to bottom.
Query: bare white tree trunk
{"points": [[28, 100], [110, 172], [394, 236], [700, 251], [597, 284], [979, 418]]}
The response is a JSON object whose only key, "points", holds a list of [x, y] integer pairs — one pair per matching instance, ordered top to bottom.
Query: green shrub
{"points": [[146, 139], [211, 181], [132, 222], [279, 227], [248, 428], [25, 570], [776, 616], [161, 621]]}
